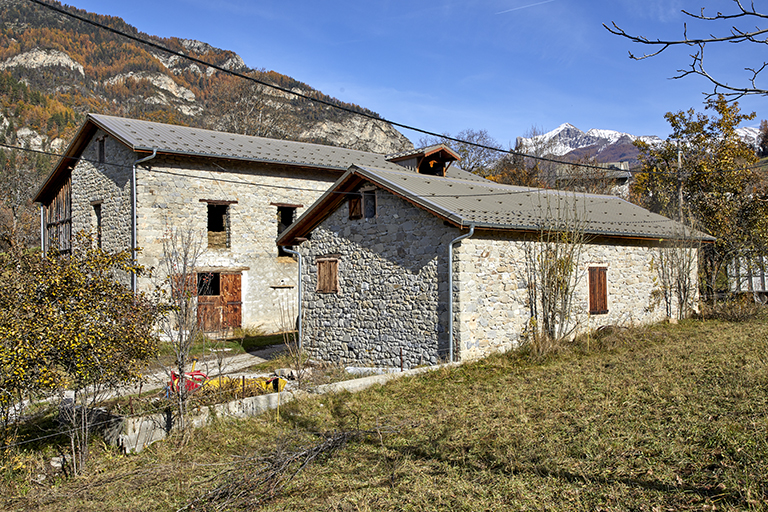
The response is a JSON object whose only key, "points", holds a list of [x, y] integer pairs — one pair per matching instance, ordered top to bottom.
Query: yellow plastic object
{"points": [[272, 383], [267, 384]]}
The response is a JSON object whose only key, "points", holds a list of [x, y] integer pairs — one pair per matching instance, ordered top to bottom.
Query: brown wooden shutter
{"points": [[355, 206], [328, 276], [598, 290], [232, 305]]}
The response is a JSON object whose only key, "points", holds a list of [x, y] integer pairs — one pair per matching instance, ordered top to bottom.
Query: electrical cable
{"points": [[301, 95]]}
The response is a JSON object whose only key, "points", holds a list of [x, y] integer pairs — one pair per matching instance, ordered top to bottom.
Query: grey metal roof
{"points": [[146, 135], [490, 205]]}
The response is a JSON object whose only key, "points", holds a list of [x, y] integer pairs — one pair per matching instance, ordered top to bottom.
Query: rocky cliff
{"points": [[54, 70]]}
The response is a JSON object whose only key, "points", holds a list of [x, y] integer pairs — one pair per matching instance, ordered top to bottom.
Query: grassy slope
{"points": [[670, 418]]}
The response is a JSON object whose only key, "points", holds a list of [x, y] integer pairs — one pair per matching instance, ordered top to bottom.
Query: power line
{"points": [[298, 94], [336, 106]]}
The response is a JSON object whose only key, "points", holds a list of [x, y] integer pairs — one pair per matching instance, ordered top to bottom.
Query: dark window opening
{"points": [[101, 150], [432, 167], [369, 204], [355, 206], [285, 216], [217, 226], [97, 227], [328, 275], [208, 283], [598, 290]]}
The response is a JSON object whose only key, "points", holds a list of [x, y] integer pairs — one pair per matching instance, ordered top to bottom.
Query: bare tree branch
{"points": [[735, 35]]}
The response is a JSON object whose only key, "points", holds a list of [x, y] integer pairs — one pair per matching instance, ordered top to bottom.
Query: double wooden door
{"points": [[224, 311]]}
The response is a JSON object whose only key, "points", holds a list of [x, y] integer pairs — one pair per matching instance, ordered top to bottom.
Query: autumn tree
{"points": [[742, 31], [762, 139], [528, 165], [512, 169], [20, 175], [703, 175], [68, 324]]}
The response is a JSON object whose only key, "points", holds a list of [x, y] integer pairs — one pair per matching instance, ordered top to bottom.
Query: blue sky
{"points": [[506, 66]]}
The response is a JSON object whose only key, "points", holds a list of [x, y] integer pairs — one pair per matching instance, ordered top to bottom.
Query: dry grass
{"points": [[672, 417]]}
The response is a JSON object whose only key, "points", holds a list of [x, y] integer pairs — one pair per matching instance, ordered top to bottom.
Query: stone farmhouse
{"points": [[133, 183], [388, 253]]}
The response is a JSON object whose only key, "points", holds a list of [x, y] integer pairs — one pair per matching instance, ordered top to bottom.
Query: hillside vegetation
{"points": [[69, 68], [672, 417]]}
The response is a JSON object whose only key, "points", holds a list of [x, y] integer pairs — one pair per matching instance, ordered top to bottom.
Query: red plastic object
{"points": [[192, 381]]}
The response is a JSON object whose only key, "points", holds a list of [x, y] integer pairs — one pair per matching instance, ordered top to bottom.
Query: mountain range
{"points": [[604, 145]]}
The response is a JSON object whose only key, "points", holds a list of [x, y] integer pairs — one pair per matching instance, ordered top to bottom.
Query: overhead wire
{"points": [[321, 101], [341, 107]]}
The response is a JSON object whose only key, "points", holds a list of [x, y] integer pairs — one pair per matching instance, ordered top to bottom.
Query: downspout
{"points": [[133, 213], [43, 248], [296, 253], [450, 287]]}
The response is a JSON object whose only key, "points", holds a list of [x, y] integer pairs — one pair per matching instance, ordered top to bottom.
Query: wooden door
{"points": [[231, 301], [209, 313]]}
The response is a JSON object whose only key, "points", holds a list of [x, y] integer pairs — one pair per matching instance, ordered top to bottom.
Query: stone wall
{"points": [[106, 184], [169, 194], [392, 287], [491, 293]]}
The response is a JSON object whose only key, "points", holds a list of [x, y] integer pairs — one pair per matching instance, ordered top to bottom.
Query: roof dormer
{"points": [[432, 160]]}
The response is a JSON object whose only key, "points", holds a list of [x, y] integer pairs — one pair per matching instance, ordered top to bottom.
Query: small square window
{"points": [[328, 275], [208, 283]]}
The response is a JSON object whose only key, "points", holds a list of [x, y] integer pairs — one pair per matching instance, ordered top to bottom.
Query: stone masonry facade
{"points": [[172, 192], [392, 294], [491, 301]]}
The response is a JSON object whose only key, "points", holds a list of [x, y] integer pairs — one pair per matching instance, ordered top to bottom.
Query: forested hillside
{"points": [[55, 69]]}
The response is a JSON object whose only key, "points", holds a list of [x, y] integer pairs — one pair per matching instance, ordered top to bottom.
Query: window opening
{"points": [[101, 150], [432, 166], [369, 203], [285, 216], [218, 219], [97, 223], [328, 275], [208, 283], [598, 290]]}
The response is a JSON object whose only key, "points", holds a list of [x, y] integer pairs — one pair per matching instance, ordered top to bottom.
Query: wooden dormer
{"points": [[432, 160]]}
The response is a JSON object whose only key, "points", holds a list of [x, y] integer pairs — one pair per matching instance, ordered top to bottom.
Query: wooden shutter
{"points": [[355, 206], [328, 276], [598, 290], [232, 305]]}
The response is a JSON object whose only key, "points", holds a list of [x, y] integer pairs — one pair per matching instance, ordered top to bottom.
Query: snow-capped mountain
{"points": [[566, 139], [604, 145]]}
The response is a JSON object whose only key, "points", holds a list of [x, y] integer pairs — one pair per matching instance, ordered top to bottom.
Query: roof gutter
{"points": [[133, 213], [450, 287]]}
